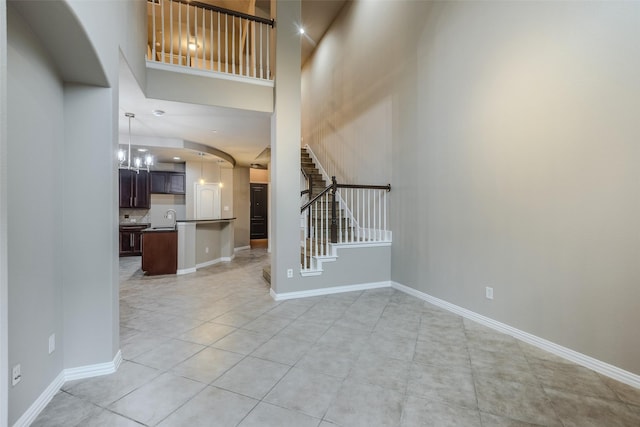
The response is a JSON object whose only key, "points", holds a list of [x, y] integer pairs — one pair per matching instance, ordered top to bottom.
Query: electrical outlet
{"points": [[206, 250], [290, 273], [488, 292], [52, 343], [16, 375]]}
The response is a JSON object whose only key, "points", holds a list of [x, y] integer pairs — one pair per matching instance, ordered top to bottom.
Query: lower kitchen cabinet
{"points": [[131, 239], [159, 252]]}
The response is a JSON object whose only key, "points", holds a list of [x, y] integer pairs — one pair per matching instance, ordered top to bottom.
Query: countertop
{"points": [[205, 220], [134, 224], [159, 230]]}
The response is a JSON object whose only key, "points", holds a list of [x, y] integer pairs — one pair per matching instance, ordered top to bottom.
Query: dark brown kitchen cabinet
{"points": [[164, 182], [134, 189], [131, 239], [160, 252]]}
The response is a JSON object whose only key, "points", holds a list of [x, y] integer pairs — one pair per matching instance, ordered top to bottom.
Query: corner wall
{"points": [[513, 141], [61, 190], [241, 206], [35, 213], [284, 234], [4, 306]]}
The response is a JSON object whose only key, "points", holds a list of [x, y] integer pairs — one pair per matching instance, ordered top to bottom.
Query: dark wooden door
{"points": [[259, 195]]}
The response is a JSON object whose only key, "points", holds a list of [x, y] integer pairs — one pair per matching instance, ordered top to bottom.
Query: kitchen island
{"points": [[204, 242], [159, 251]]}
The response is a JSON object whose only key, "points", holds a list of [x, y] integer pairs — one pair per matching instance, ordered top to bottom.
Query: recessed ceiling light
{"points": [[301, 30], [158, 113], [142, 150], [176, 158]]}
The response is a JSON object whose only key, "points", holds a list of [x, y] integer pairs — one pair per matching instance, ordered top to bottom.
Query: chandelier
{"points": [[124, 157]]}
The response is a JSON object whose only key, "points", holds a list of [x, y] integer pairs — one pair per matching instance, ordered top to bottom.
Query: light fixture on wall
{"points": [[124, 157]]}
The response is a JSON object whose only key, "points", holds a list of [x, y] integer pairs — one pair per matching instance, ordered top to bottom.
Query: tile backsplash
{"points": [[134, 216]]}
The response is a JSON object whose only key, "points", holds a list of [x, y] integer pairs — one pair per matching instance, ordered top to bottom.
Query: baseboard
{"points": [[241, 248], [215, 261], [186, 271], [327, 291], [564, 352], [94, 370], [66, 375], [41, 402]]}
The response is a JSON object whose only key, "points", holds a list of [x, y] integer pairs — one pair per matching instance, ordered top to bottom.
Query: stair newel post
{"points": [[334, 223]]}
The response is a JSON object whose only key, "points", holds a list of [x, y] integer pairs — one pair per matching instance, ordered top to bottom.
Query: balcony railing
{"points": [[209, 38]]}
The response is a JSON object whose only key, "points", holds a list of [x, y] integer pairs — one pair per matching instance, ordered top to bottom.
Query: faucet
{"points": [[171, 214]]}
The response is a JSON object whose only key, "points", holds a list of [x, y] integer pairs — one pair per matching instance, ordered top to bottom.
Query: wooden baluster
{"points": [[153, 25], [162, 29], [171, 31], [261, 31], [179, 33], [188, 39], [233, 45]]}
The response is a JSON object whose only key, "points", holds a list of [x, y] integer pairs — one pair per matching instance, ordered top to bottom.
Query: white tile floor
{"points": [[213, 349]]}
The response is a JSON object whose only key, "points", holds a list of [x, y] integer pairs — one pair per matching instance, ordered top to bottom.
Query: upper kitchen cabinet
{"points": [[165, 182], [134, 189]]}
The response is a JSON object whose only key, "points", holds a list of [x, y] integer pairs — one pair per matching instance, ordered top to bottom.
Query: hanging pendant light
{"points": [[124, 157]]}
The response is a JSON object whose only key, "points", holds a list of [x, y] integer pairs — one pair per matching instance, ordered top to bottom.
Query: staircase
{"points": [[312, 173], [342, 215], [335, 216]]}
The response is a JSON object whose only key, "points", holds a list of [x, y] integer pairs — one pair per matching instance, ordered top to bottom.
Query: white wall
{"points": [[513, 137], [285, 152], [35, 213], [62, 248], [4, 333]]}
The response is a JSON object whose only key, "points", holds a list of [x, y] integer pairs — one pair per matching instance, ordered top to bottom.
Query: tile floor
{"points": [[213, 349]]}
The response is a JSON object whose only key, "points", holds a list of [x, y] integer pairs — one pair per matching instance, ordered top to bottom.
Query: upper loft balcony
{"points": [[203, 53]]}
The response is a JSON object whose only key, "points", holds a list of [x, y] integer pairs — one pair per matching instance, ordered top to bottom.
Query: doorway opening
{"points": [[258, 229]]}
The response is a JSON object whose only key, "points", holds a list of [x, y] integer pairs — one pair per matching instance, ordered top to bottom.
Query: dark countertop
{"points": [[206, 220], [134, 224], [159, 230]]}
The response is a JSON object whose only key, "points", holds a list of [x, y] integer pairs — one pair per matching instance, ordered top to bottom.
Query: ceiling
{"points": [[245, 135]]}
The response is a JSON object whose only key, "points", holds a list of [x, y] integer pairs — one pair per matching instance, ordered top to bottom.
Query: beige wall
{"points": [[510, 133], [212, 172], [259, 176], [241, 206]]}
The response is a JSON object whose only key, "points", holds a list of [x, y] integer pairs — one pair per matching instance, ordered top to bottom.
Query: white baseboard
{"points": [[241, 248], [215, 261], [186, 271], [327, 291], [566, 353], [94, 370], [66, 375], [41, 402]]}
